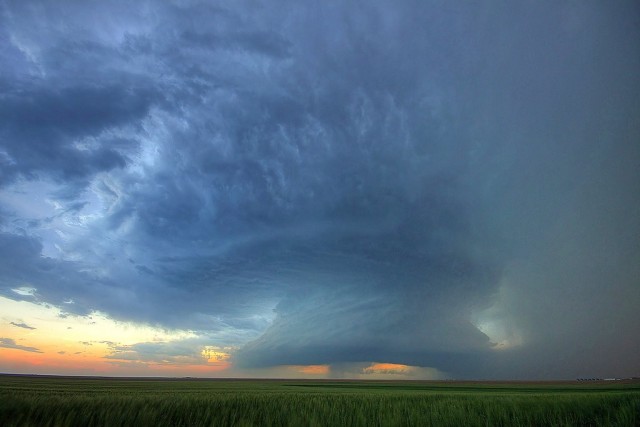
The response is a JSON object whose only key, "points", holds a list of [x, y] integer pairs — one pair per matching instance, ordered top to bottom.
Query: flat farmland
{"points": [[84, 401]]}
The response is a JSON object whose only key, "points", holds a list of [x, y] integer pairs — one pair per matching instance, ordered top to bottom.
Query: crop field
{"points": [[65, 401]]}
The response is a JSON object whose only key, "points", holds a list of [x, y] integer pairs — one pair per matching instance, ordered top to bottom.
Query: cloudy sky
{"points": [[361, 189]]}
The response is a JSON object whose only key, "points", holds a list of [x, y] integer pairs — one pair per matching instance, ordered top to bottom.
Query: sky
{"points": [[398, 189]]}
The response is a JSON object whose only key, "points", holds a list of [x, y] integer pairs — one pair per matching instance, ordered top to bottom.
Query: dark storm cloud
{"points": [[66, 94], [41, 128], [412, 183], [23, 265]]}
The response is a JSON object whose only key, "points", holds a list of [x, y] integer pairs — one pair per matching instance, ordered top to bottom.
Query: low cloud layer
{"points": [[414, 183]]}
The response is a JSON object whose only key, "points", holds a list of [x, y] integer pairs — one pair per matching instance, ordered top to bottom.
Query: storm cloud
{"points": [[435, 184]]}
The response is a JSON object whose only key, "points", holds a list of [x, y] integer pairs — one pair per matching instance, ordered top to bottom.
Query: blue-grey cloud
{"points": [[42, 130], [418, 182], [22, 325], [11, 343]]}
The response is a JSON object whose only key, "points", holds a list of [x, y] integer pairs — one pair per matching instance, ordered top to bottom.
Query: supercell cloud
{"points": [[437, 184]]}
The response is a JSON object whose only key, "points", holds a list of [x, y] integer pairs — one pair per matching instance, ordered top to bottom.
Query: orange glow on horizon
{"points": [[42, 339], [18, 361], [26, 361], [387, 368], [312, 369]]}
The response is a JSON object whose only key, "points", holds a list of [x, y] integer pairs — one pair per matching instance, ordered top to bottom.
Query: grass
{"points": [[57, 401]]}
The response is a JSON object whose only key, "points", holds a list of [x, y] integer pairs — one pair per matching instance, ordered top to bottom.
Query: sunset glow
{"points": [[56, 341], [388, 368], [313, 369]]}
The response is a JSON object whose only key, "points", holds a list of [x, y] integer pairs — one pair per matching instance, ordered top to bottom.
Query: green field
{"points": [[44, 401]]}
